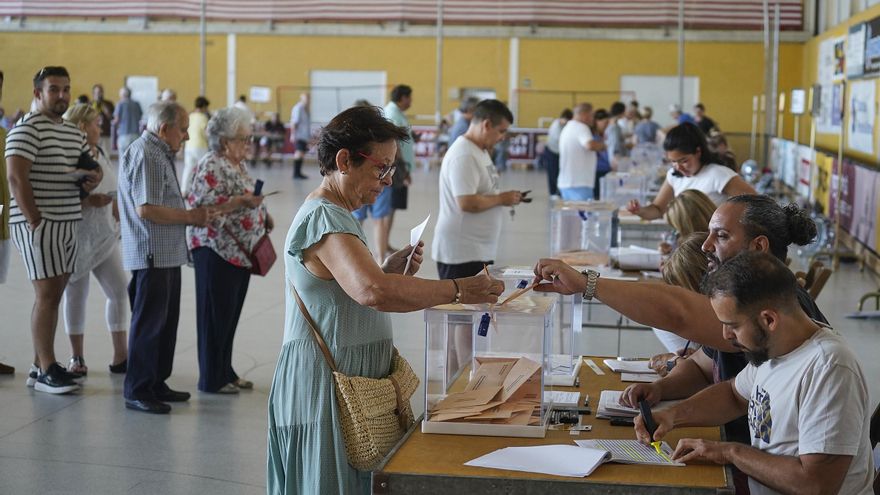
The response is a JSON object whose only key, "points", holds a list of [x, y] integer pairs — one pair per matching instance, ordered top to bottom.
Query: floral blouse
{"points": [[214, 182]]}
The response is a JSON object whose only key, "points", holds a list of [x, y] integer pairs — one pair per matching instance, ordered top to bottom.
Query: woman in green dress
{"points": [[349, 297]]}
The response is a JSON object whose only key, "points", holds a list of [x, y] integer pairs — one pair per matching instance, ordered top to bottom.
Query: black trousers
{"points": [[551, 161], [461, 270], [220, 291], [154, 294]]}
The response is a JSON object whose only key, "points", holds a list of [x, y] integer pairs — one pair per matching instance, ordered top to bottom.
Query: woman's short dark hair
{"points": [[400, 92], [601, 114], [355, 130], [688, 138]]}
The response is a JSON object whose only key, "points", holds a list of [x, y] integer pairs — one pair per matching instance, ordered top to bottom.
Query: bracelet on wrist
{"points": [[457, 299]]}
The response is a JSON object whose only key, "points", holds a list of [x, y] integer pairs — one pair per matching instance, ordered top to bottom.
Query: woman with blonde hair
{"points": [[688, 212], [97, 252], [684, 268]]}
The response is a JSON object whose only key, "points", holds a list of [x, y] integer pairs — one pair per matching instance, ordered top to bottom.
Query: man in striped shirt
{"points": [[42, 152]]}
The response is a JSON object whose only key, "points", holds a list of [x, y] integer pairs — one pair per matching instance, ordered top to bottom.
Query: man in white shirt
{"points": [[550, 156], [577, 156], [469, 223], [803, 391]]}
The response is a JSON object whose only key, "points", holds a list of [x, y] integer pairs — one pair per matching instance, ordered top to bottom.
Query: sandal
{"points": [[78, 365], [119, 368], [245, 384]]}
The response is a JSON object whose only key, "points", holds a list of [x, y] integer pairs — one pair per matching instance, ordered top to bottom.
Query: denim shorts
{"points": [[380, 209]]}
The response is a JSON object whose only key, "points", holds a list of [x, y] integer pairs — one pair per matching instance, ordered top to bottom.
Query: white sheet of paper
{"points": [[415, 235], [629, 366], [639, 377], [562, 399], [558, 460]]}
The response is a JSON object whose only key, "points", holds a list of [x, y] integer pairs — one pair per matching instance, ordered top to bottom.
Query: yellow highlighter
{"points": [[650, 425]]}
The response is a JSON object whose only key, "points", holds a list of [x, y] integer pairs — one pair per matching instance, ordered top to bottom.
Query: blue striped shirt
{"points": [[147, 177]]}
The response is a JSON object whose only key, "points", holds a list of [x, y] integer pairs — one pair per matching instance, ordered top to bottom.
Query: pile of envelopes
{"points": [[502, 391]]}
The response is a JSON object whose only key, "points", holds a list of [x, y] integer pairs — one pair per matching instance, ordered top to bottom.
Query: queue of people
{"points": [[757, 329]]}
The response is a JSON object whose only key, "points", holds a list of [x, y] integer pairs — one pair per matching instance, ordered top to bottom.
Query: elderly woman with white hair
{"points": [[222, 266]]}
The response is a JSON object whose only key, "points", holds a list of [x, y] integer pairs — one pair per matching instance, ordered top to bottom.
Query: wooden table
{"points": [[430, 463]]}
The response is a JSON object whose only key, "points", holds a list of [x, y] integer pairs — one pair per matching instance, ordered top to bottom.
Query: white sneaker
{"points": [[33, 374]]}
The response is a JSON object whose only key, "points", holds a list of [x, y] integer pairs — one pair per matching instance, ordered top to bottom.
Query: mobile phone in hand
{"points": [[258, 187], [523, 195]]}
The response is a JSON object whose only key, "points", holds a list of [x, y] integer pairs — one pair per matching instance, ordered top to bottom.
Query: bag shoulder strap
{"points": [[238, 243], [315, 333]]}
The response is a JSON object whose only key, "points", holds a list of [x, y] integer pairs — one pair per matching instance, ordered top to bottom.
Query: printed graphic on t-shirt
{"points": [[493, 176], [760, 420]]}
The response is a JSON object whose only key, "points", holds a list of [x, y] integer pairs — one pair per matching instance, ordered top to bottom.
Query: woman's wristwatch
{"points": [[592, 277]]}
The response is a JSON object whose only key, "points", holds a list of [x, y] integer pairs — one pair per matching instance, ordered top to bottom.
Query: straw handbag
{"points": [[375, 413]]}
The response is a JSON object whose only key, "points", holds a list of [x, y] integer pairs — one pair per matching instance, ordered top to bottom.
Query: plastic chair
{"points": [[814, 288]]}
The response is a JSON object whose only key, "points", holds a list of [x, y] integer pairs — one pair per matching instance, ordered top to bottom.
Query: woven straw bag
{"points": [[375, 413]]}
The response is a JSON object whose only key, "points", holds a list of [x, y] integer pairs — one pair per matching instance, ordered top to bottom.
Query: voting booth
{"points": [[488, 369]]}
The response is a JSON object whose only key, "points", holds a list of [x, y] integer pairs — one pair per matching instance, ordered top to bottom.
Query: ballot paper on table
{"points": [[415, 235], [619, 366], [639, 377], [501, 391], [610, 406], [632, 452], [558, 460]]}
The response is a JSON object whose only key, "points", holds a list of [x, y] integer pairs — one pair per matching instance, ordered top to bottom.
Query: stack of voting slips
{"points": [[633, 371], [502, 391], [610, 406], [558, 460]]}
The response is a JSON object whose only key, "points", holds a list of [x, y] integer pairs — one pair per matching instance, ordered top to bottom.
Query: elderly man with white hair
{"points": [[154, 220]]}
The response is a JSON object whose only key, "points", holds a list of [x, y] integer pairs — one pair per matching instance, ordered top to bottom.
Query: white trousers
{"points": [[114, 282]]}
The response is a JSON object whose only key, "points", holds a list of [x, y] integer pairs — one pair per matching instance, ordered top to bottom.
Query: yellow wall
{"points": [[108, 59], [730, 73], [829, 142]]}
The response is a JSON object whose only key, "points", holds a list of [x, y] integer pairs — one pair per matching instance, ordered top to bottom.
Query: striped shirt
{"points": [[52, 148], [147, 177]]}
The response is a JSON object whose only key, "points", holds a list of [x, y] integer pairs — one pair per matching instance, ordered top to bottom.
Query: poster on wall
{"points": [[872, 47], [855, 51], [825, 64], [839, 72], [798, 101], [830, 105], [861, 105], [805, 165], [846, 180], [864, 221]]}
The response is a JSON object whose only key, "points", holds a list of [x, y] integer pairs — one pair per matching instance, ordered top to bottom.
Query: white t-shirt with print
{"points": [[577, 164], [710, 180], [462, 237], [813, 400]]}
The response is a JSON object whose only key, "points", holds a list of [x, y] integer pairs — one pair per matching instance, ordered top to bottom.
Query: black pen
{"points": [[685, 350]]}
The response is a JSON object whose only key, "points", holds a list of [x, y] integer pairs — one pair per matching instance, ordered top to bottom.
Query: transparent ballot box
{"points": [[621, 187], [582, 232], [564, 357], [488, 369]]}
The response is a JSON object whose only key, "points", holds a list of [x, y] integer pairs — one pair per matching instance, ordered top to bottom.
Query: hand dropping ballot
{"points": [[415, 235]]}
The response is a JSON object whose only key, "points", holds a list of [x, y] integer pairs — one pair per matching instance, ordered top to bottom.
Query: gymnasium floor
{"points": [[89, 443]]}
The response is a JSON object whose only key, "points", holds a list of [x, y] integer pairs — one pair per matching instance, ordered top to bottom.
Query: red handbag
{"points": [[262, 257]]}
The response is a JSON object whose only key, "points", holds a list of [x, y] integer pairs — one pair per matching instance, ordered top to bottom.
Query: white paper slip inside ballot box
{"points": [[415, 235], [618, 366], [558, 460]]}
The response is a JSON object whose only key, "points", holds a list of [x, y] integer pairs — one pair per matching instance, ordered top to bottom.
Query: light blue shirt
{"points": [[300, 117], [407, 150]]}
